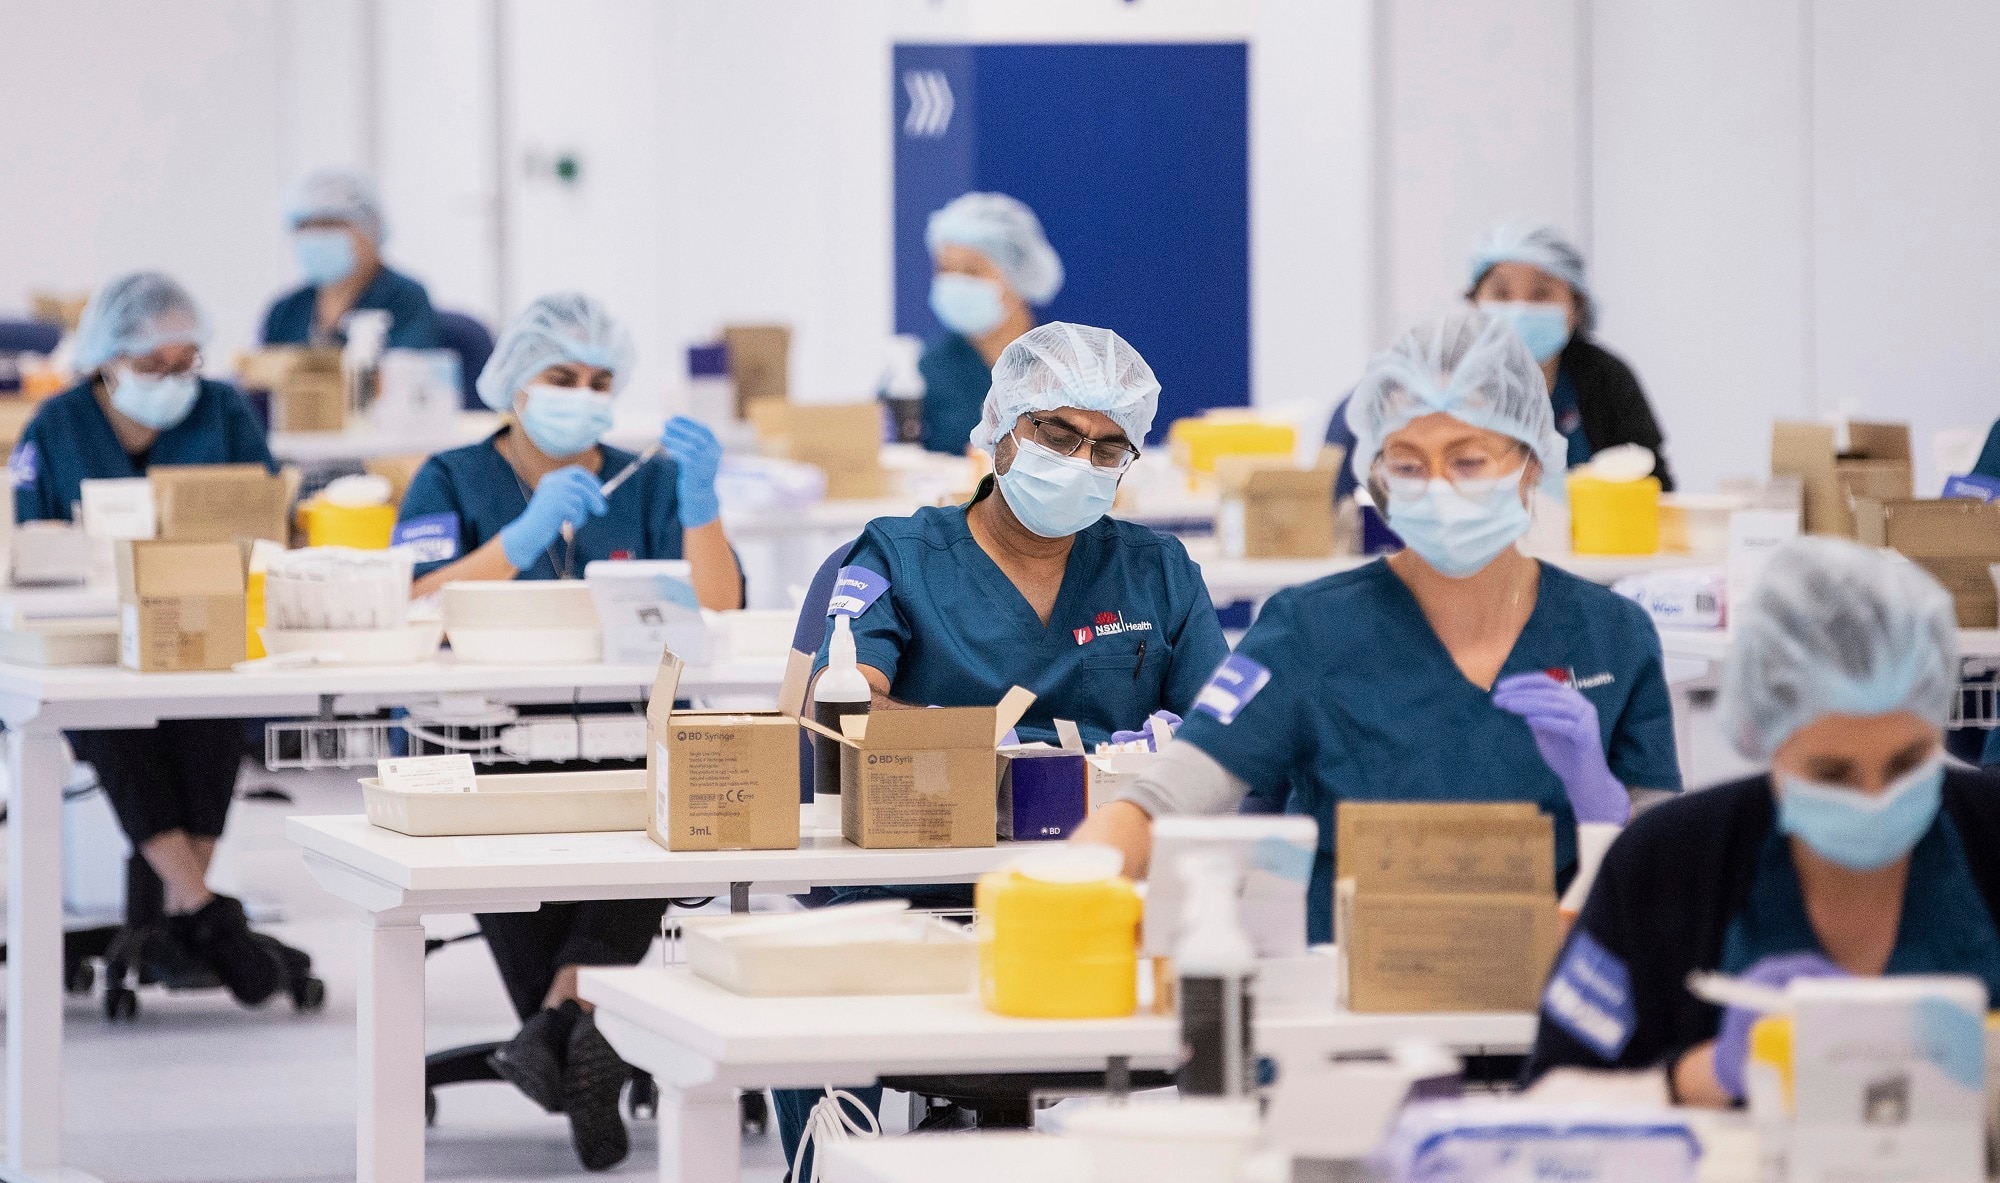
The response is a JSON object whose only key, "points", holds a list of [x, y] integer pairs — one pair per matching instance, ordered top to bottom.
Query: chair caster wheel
{"points": [[121, 1005]]}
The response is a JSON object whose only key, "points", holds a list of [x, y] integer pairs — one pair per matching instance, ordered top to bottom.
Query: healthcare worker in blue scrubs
{"points": [[337, 233], [994, 267], [1535, 278], [144, 402], [526, 503], [1031, 584], [1458, 669], [1858, 853]]}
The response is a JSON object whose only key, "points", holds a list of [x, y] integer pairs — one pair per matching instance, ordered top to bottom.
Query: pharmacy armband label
{"points": [[25, 465], [432, 538], [854, 590], [1235, 682], [1590, 996]]}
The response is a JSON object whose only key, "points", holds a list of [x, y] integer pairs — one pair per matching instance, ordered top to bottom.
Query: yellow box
{"points": [[1197, 442], [1614, 517], [364, 527], [1058, 950]]}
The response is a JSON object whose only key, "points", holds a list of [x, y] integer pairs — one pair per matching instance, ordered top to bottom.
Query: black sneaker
{"points": [[221, 934], [165, 959], [533, 1060], [592, 1078]]}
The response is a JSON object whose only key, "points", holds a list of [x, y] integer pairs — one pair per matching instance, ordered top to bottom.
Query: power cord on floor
{"points": [[829, 1121]]}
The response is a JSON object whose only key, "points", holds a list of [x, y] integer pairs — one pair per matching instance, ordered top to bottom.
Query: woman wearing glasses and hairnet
{"points": [[337, 232], [994, 266], [1535, 279], [144, 402], [529, 503], [1031, 584], [1456, 670], [1858, 853]]}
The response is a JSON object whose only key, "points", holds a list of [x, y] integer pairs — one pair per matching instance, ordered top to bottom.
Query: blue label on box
{"points": [[432, 538]]}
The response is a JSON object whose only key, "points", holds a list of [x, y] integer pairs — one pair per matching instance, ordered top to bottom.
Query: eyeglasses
{"points": [[153, 366], [1063, 441], [1471, 470]]}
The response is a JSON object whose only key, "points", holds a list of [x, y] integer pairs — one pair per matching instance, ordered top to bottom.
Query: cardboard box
{"points": [[62, 308], [759, 364], [308, 390], [843, 440], [1876, 465], [399, 471], [220, 503], [1272, 509], [1955, 539], [181, 605], [923, 778], [724, 780], [1044, 793], [1444, 906]]}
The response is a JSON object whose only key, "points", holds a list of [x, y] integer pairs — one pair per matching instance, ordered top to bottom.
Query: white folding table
{"points": [[37, 705], [395, 880], [702, 1043]]}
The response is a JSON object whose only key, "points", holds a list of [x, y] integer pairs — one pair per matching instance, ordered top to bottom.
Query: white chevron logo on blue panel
{"points": [[930, 103]]}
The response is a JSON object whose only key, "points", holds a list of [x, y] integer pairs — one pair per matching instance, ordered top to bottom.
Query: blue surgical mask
{"points": [[325, 255], [966, 304], [1545, 327], [152, 400], [565, 420], [1056, 496], [1459, 529], [1858, 831]]}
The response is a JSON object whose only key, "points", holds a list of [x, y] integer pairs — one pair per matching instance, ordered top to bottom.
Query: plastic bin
{"points": [[1614, 517], [517, 803]]}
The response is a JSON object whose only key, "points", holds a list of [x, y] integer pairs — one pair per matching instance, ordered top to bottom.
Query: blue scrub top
{"points": [[412, 324], [956, 379], [1569, 418], [70, 441], [1989, 456], [459, 500], [1132, 631], [1342, 691], [1945, 927]]}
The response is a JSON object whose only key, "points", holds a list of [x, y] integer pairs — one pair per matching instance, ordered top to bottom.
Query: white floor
{"points": [[199, 1090]]}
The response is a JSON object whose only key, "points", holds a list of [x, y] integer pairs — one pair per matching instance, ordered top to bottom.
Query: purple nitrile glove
{"points": [[1172, 721], [1566, 733], [1732, 1045]]}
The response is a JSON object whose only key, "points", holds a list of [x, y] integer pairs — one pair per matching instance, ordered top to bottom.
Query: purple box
{"points": [[1044, 794]]}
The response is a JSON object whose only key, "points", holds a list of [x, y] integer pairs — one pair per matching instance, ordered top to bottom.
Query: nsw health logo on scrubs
{"points": [[1110, 624]]}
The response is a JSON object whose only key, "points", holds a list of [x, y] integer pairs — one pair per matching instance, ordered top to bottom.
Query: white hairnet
{"points": [[339, 194], [1007, 232], [1543, 247], [132, 315], [566, 327], [1065, 365], [1472, 366], [1835, 627]]}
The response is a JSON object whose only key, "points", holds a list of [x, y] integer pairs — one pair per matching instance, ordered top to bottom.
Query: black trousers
{"points": [[179, 775], [529, 947]]}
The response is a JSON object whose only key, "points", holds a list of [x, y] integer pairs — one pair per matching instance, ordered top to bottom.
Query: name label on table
{"points": [[426, 774]]}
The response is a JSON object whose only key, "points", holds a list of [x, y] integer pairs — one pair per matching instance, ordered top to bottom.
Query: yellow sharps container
{"points": [[1614, 517], [364, 527], [1059, 936]]}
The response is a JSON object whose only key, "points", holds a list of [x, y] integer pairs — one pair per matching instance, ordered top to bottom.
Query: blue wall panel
{"points": [[1136, 158]]}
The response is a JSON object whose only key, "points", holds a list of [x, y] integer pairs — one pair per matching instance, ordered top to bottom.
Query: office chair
{"points": [[469, 339]]}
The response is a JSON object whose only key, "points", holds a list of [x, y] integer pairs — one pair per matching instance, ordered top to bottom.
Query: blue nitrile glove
{"points": [[699, 455], [566, 497], [1172, 721], [1566, 733], [1732, 1046]]}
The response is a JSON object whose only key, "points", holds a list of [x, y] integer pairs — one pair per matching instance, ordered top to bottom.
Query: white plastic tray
{"points": [[61, 642], [517, 803], [794, 955]]}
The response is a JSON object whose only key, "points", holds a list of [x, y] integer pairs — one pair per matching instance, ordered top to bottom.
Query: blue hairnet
{"points": [[340, 194], [1007, 232], [1541, 247], [132, 315], [566, 327], [1065, 365], [1470, 365], [1835, 627]]}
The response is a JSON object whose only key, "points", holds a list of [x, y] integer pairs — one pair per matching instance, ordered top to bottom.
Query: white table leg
{"points": [[34, 954], [390, 1071], [701, 1135]]}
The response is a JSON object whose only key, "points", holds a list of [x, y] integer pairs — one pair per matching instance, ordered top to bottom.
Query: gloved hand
{"points": [[699, 455], [566, 497], [1172, 721], [1566, 733], [1732, 1046]]}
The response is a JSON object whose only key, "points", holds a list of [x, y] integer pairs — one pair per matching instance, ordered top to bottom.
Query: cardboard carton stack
{"points": [[759, 364], [308, 391], [843, 440], [1875, 465], [220, 503], [1272, 509], [1956, 539], [181, 605], [724, 780], [1444, 907]]}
